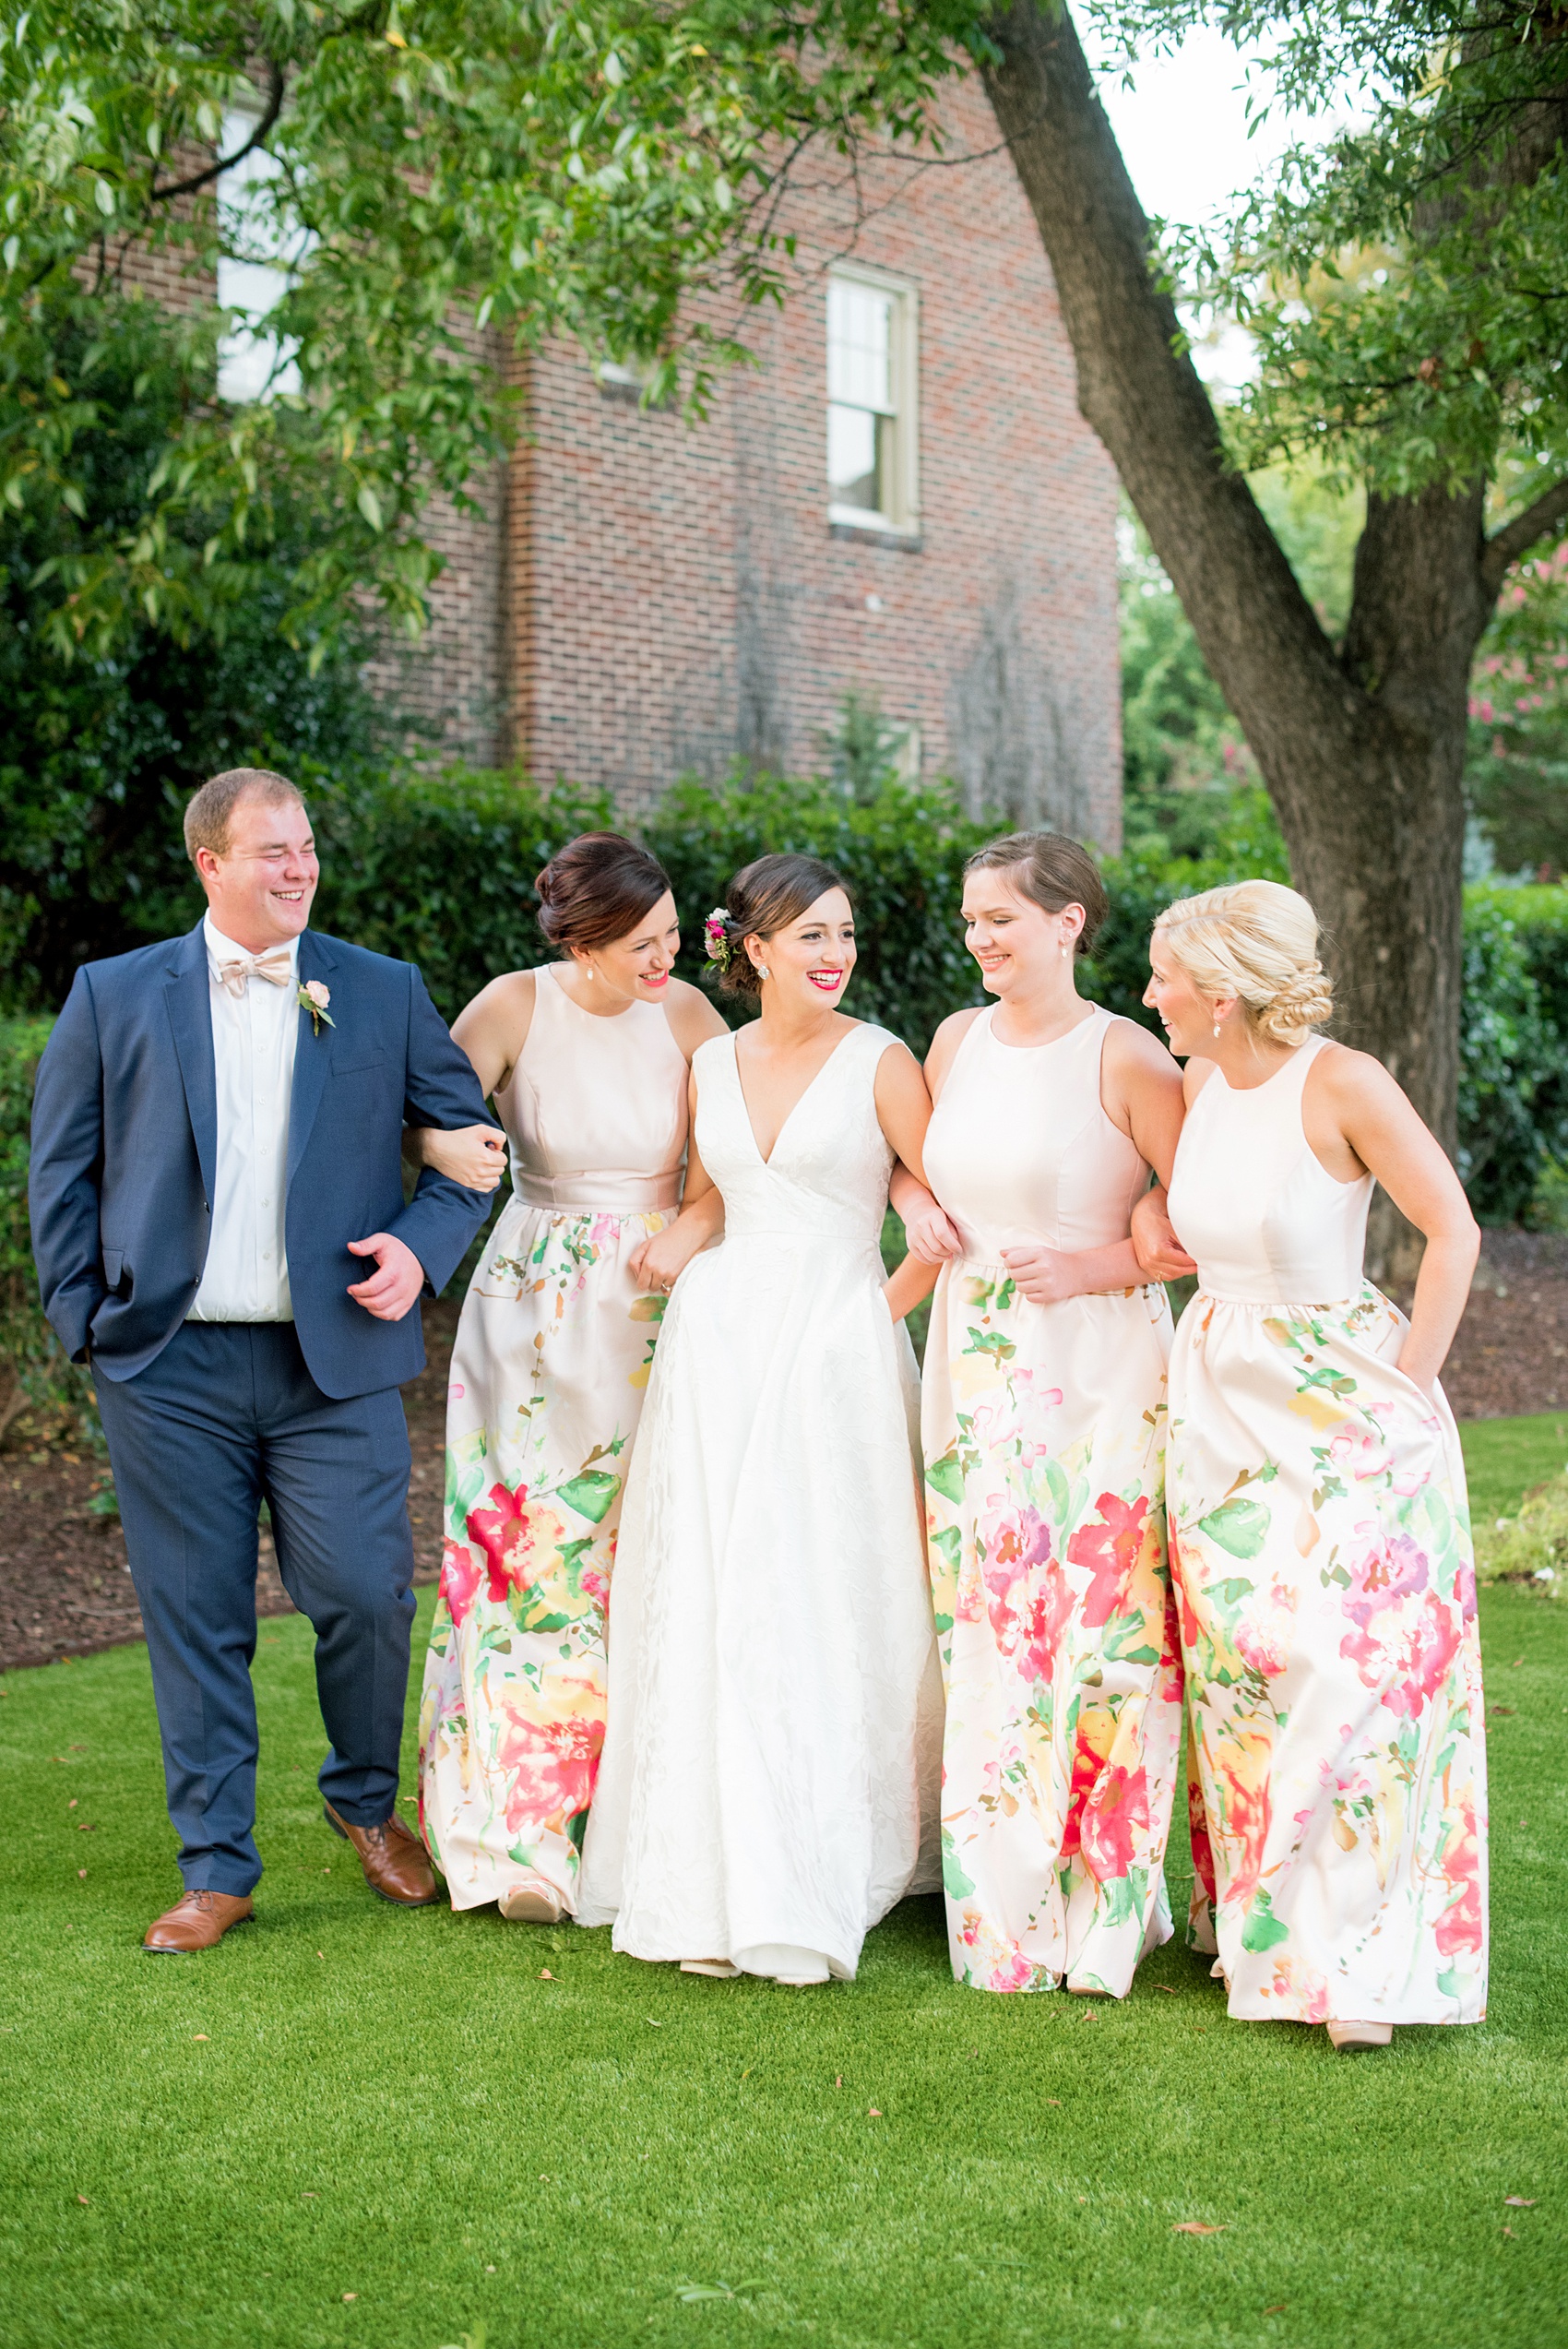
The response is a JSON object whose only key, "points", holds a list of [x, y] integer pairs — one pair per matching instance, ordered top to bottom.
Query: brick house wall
{"points": [[677, 596], [642, 597]]}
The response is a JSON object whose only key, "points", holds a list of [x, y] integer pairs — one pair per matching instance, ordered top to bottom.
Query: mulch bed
{"points": [[64, 1588]]}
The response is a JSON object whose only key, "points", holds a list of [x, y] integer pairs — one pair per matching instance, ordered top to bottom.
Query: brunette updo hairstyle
{"points": [[1052, 872], [597, 889], [763, 899]]}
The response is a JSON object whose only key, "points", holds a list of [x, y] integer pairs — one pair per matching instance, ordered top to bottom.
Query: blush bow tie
{"points": [[275, 968]]}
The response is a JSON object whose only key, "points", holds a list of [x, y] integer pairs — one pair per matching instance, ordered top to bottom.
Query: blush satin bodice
{"points": [[596, 1108], [1020, 1148], [1267, 1224]]}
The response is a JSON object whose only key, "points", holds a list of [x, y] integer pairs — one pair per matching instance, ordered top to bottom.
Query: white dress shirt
{"points": [[254, 1041]]}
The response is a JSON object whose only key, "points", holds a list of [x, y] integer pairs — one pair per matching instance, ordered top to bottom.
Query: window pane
{"points": [[859, 334], [855, 446]]}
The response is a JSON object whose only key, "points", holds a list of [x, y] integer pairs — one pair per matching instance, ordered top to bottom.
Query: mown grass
{"points": [[1504, 1457], [477, 2128]]}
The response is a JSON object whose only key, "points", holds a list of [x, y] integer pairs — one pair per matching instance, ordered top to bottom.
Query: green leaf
{"points": [[369, 505], [945, 1476], [592, 1495], [1239, 1526], [949, 1540], [955, 1884], [1263, 1929]]}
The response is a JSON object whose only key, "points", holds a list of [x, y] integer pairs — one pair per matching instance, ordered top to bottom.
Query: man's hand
{"points": [[1160, 1252], [392, 1287]]}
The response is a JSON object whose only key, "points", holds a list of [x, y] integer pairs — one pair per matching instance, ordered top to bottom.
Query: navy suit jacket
{"points": [[124, 1144]]}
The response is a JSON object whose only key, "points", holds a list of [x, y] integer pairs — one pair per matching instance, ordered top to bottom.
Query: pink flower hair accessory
{"points": [[716, 938]]}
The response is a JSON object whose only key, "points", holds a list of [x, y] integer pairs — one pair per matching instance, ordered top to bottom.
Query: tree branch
{"points": [[227, 162], [1140, 392], [1504, 547]]}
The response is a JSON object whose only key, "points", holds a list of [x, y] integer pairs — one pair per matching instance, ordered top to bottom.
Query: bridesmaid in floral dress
{"points": [[587, 1061], [1043, 1424], [1320, 1536]]}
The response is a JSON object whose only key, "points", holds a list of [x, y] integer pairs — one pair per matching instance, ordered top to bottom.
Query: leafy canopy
{"points": [[602, 169], [1404, 278]]}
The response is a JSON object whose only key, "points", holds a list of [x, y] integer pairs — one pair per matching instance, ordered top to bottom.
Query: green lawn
{"points": [[1505, 1456], [488, 2129]]}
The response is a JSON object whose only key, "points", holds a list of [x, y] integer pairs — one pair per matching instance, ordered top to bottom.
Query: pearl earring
{"points": [[763, 971], [1217, 1027]]}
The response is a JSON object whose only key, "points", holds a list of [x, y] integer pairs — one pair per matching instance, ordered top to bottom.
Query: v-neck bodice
{"points": [[826, 1175]]}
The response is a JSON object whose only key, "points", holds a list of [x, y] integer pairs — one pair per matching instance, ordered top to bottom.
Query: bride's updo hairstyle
{"points": [[1052, 872], [597, 890], [763, 899], [1255, 940]]}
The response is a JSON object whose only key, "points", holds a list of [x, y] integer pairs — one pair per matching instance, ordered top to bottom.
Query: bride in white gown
{"points": [[770, 1783]]}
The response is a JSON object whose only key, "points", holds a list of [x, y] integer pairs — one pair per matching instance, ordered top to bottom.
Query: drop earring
{"points": [[1217, 1027]]}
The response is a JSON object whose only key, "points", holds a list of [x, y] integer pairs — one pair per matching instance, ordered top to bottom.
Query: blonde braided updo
{"points": [[1255, 940]]}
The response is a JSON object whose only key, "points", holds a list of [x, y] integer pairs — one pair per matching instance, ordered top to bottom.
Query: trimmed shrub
{"points": [[901, 852], [438, 869], [1512, 1081], [43, 1398]]}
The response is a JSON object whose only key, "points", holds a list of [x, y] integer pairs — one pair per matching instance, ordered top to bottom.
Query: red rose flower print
{"points": [[460, 1581]]}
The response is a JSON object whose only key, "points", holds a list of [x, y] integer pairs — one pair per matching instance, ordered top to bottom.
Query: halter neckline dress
{"points": [[547, 1386], [1044, 1436], [1321, 1552]]}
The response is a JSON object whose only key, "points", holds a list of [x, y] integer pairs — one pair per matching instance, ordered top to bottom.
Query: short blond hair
{"points": [[210, 810], [1255, 940]]}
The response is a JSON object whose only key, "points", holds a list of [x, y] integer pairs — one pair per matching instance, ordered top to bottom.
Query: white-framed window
{"points": [[253, 277], [873, 401]]}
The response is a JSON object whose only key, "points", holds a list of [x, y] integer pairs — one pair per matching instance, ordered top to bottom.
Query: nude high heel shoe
{"points": [[534, 1899], [1351, 2036]]}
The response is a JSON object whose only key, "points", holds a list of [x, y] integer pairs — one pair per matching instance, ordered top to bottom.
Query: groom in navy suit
{"points": [[220, 1229]]}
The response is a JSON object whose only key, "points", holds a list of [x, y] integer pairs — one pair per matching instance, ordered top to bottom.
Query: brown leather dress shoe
{"points": [[393, 1858], [198, 1921]]}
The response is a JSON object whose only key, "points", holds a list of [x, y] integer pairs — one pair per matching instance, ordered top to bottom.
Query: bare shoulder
{"points": [[505, 1005], [693, 1018], [944, 1044], [1131, 1050], [1195, 1076], [1346, 1079]]}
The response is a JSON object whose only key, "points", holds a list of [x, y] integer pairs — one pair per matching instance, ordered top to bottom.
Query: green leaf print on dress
{"points": [[1045, 1535], [512, 1720]]}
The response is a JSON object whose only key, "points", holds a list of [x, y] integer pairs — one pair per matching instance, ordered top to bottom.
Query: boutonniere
{"points": [[315, 997]]}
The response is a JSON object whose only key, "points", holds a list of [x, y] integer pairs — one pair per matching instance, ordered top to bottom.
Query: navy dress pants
{"points": [[227, 1417]]}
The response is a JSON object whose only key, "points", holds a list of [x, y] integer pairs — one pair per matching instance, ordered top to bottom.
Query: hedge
{"points": [[439, 870]]}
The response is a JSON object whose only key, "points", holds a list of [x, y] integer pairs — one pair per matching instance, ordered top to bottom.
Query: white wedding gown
{"points": [[770, 1778]]}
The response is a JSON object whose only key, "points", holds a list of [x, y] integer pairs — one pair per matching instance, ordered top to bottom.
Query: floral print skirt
{"points": [[548, 1375], [1043, 1429], [1321, 1550]]}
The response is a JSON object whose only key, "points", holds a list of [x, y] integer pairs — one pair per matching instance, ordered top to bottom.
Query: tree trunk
{"points": [[1361, 750]]}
